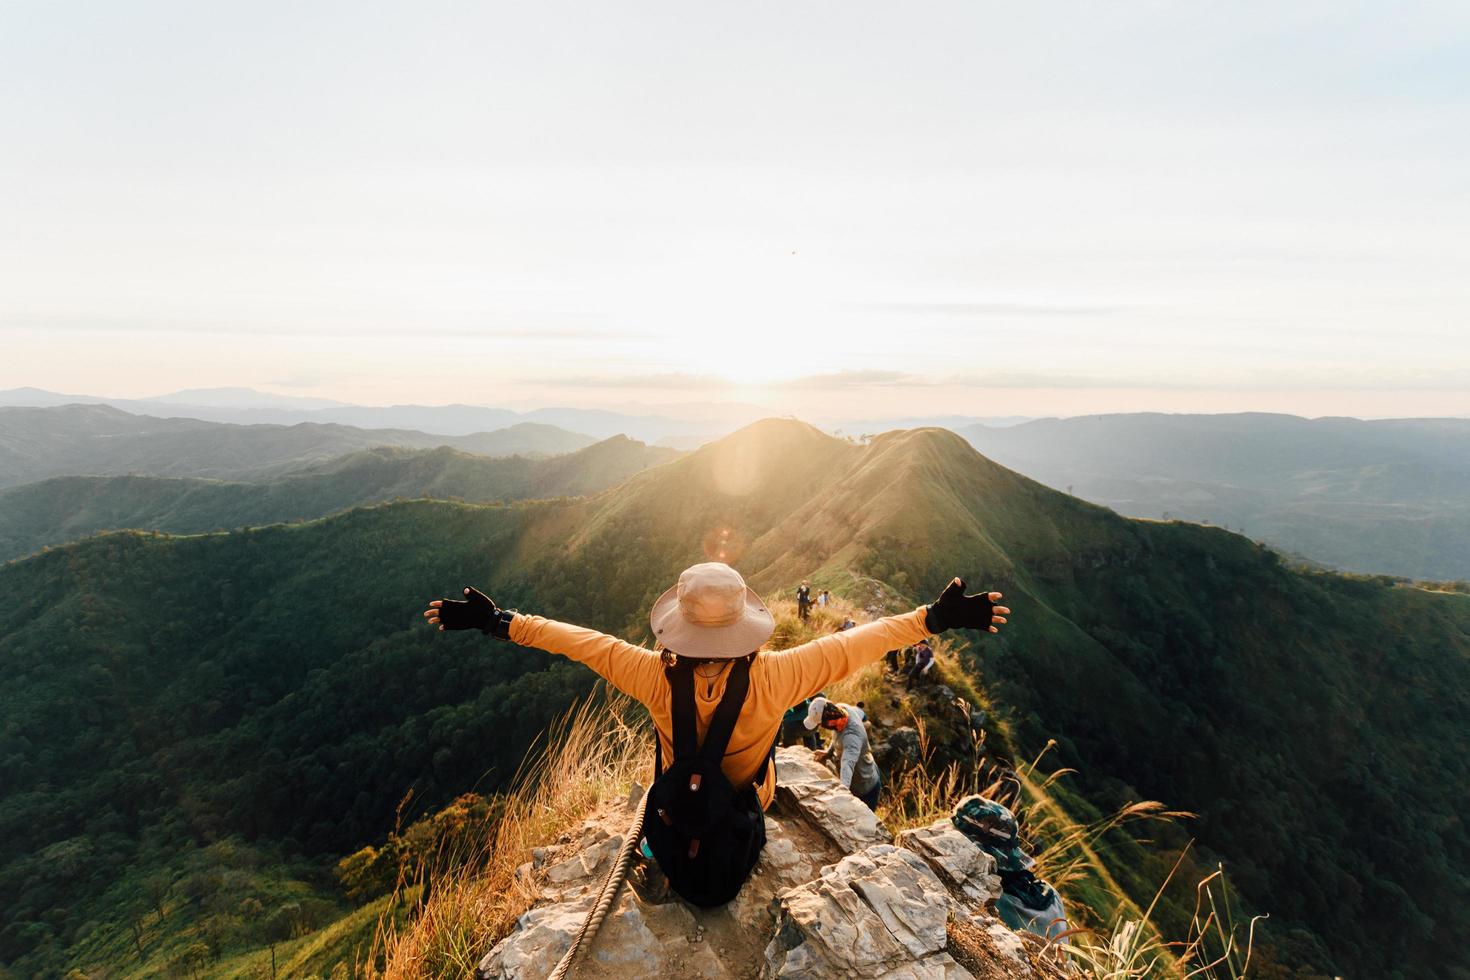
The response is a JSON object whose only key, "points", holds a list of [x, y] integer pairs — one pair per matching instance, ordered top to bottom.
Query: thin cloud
{"points": [[988, 309], [86, 323], [854, 379], [899, 379], [1044, 380], [674, 381]]}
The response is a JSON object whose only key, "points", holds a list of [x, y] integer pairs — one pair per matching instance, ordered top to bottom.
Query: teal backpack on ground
{"points": [[1026, 902]]}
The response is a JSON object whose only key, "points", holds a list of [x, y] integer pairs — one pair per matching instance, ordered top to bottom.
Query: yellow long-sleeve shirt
{"points": [[778, 680]]}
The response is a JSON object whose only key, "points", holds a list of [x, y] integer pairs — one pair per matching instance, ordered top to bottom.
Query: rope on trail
{"points": [[605, 898]]}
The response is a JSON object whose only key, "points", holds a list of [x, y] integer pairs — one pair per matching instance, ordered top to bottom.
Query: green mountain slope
{"points": [[95, 440], [1390, 496], [63, 509], [276, 684]]}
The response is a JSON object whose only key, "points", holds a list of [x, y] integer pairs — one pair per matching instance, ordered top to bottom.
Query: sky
{"points": [[831, 208]]}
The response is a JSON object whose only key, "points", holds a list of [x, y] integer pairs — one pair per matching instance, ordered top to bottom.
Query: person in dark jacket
{"points": [[923, 663], [793, 732]]}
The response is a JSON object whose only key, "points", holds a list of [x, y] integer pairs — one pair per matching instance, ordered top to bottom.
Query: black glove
{"points": [[953, 608], [476, 611]]}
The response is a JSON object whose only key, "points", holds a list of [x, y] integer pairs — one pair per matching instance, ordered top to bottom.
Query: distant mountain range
{"points": [[245, 406], [679, 426], [98, 440], [1390, 496], [1380, 497], [51, 512], [277, 685]]}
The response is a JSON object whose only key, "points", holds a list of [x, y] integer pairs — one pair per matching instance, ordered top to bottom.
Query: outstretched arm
{"points": [[631, 669], [803, 671]]}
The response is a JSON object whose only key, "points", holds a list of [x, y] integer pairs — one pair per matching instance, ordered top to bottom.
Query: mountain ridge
{"points": [[36, 443], [53, 511], [1151, 653]]}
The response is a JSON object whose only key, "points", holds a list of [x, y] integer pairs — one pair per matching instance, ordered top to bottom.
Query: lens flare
{"points": [[724, 543]]}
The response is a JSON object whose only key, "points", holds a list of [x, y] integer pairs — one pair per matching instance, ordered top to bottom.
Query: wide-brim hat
{"points": [[711, 614]]}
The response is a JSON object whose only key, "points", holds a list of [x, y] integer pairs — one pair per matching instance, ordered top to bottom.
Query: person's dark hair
{"points": [[671, 659]]}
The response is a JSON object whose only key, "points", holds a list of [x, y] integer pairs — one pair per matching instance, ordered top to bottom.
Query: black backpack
{"points": [[705, 834]]}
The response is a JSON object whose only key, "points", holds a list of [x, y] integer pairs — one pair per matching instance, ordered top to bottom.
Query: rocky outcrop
{"points": [[832, 896], [879, 913]]}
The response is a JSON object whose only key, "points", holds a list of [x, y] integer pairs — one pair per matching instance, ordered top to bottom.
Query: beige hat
{"points": [[711, 614]]}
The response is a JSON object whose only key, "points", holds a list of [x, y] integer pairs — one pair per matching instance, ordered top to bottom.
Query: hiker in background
{"points": [[823, 598], [803, 600], [847, 624], [894, 660], [923, 662], [793, 732], [855, 766], [703, 821]]}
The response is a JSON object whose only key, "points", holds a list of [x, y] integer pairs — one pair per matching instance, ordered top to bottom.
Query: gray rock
{"points": [[903, 748], [795, 766], [807, 789], [958, 861], [784, 864], [584, 867], [830, 897], [880, 913], [635, 941]]}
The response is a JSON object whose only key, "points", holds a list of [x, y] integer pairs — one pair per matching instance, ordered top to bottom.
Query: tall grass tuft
{"points": [[594, 752], [1132, 950]]}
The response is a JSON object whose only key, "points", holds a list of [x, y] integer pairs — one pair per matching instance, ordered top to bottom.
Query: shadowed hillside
{"points": [[1387, 496], [66, 508], [276, 684]]}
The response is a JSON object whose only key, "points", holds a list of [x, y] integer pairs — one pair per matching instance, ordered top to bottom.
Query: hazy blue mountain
{"points": [[41, 398], [244, 398], [684, 425], [681, 426], [98, 440], [1389, 496]]}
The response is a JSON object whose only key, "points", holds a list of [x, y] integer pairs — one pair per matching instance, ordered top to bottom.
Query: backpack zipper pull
{"points": [[694, 782], [693, 848]]}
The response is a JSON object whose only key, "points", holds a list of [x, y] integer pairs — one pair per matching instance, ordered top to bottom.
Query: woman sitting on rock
{"points": [[717, 701]]}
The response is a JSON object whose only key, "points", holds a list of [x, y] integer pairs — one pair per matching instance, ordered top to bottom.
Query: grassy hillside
{"points": [[95, 440], [1390, 496], [66, 508], [276, 685]]}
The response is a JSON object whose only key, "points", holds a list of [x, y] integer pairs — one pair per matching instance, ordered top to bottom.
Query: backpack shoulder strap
{"points": [[681, 709], [722, 725]]}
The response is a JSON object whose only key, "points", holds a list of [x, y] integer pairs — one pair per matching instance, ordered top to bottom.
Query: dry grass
{"points": [[865, 686], [593, 753], [1070, 851], [1132, 950]]}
